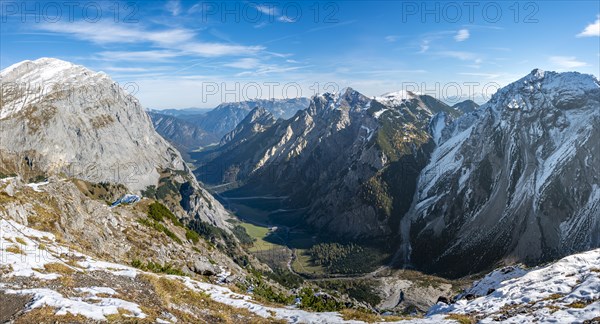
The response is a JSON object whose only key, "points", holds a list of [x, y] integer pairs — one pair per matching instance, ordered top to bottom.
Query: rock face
{"points": [[63, 119], [344, 159], [516, 180]]}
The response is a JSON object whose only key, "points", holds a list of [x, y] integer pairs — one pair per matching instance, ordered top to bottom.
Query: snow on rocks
{"points": [[36, 186], [567, 291], [91, 307]]}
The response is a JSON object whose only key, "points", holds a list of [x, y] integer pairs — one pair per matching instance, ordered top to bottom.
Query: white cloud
{"points": [[174, 7], [195, 8], [269, 10], [286, 19], [591, 30], [106, 33], [462, 35], [391, 38], [176, 40], [424, 46], [219, 49], [137, 56], [463, 56], [566, 62], [245, 63], [125, 69], [485, 75]]}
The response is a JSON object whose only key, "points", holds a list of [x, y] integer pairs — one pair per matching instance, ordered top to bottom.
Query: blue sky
{"points": [[175, 54]]}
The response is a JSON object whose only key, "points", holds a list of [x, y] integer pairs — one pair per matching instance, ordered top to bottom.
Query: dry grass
{"points": [[20, 240], [15, 250], [59, 268], [175, 295], [553, 297], [577, 304], [48, 315], [359, 315], [125, 316], [461, 318]]}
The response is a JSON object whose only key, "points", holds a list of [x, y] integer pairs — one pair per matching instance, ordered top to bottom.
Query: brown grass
{"points": [[20, 240], [15, 249], [59, 268], [174, 293], [553, 297], [577, 304], [350, 314], [48, 315], [461, 318]]}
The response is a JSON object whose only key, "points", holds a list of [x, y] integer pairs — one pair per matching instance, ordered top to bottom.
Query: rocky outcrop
{"points": [[57, 118]]}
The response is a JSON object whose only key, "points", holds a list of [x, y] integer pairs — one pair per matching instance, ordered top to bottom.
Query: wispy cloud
{"points": [[174, 7], [269, 10], [286, 19], [591, 30], [107, 33], [462, 35], [391, 38], [177, 40], [424, 46], [219, 49], [137, 56], [463, 56], [566, 62], [245, 63], [131, 69], [485, 75]]}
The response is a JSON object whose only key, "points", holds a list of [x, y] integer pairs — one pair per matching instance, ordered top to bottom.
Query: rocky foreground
{"points": [[45, 280]]}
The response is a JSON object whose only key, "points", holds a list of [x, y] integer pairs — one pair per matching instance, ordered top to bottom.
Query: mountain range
{"points": [[189, 130], [517, 175], [131, 232]]}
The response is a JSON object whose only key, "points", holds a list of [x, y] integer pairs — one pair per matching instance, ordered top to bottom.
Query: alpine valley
{"points": [[338, 208]]}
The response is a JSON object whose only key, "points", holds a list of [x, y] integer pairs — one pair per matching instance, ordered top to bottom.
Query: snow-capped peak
{"points": [[46, 70], [31, 81], [562, 90], [396, 96]]}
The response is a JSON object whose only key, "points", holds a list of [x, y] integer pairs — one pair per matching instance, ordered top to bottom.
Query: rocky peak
{"points": [[546, 90], [466, 107], [66, 120], [256, 121]]}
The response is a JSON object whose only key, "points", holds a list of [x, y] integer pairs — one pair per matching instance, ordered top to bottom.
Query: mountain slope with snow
{"points": [[516, 180], [567, 291]]}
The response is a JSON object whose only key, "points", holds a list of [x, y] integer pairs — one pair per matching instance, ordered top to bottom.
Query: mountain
{"points": [[466, 107], [180, 112], [226, 116], [61, 119], [185, 136], [343, 159], [514, 181]]}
